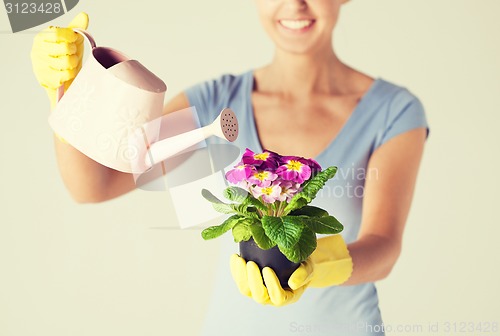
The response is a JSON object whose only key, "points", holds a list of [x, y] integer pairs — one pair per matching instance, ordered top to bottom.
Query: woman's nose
{"points": [[298, 4]]}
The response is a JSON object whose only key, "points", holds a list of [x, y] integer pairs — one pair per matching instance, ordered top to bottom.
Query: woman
{"points": [[306, 102]]}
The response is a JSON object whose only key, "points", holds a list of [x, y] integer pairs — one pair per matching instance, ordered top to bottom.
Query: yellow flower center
{"points": [[261, 156], [294, 165], [261, 176], [268, 191]]}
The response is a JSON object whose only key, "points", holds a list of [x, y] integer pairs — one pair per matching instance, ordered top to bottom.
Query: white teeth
{"points": [[296, 24]]}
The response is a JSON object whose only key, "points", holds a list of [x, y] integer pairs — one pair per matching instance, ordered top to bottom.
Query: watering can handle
{"points": [[86, 35], [90, 39]]}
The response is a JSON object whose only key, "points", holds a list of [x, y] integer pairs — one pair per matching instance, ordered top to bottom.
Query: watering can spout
{"points": [[225, 127]]}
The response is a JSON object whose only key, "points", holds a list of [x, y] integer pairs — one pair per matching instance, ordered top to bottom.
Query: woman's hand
{"points": [[57, 54], [329, 265], [266, 289]]}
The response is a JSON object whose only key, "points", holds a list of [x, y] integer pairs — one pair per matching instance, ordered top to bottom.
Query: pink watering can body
{"points": [[110, 98]]}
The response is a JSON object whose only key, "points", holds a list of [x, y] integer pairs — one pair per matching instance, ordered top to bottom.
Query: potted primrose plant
{"points": [[270, 216]]}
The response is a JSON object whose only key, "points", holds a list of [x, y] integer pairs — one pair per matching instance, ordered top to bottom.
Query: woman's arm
{"points": [[87, 180], [91, 182], [390, 182]]}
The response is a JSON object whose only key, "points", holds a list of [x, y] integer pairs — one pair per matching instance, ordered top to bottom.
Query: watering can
{"points": [[113, 113]]}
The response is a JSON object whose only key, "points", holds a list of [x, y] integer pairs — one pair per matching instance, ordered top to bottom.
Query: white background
{"points": [[69, 269]]}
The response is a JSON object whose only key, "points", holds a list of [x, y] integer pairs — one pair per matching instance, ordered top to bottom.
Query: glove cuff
{"points": [[332, 262], [332, 273]]}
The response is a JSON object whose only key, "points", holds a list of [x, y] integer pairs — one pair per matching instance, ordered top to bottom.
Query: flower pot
{"points": [[273, 258]]}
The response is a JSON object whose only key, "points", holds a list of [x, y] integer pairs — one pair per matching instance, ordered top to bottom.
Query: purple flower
{"points": [[266, 160], [314, 165], [294, 169], [240, 173], [262, 178], [268, 194]]}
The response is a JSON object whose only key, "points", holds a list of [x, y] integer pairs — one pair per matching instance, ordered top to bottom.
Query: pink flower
{"points": [[294, 169], [240, 173], [262, 178], [244, 185], [288, 190], [268, 194]]}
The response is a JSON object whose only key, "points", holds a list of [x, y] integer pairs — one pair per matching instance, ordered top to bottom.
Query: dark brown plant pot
{"points": [[273, 258]]}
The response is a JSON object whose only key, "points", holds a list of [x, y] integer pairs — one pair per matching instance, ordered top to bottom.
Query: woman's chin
{"points": [[297, 48]]}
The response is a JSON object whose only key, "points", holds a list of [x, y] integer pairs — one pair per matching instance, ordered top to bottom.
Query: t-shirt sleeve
{"points": [[405, 113]]}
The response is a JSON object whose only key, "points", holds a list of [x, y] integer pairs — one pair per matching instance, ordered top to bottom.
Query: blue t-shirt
{"points": [[385, 111]]}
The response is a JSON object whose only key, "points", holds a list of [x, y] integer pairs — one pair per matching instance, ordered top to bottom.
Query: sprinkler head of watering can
{"points": [[226, 125]]}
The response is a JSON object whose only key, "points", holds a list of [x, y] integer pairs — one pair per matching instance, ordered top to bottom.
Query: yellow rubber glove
{"points": [[57, 54], [332, 263], [329, 265], [264, 289]]}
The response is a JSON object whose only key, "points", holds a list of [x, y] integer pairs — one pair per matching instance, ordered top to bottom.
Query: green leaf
{"points": [[318, 182], [310, 190], [236, 194], [210, 197], [297, 202], [256, 203], [217, 204], [223, 208], [233, 208], [240, 209], [244, 210], [310, 211], [324, 225], [218, 230], [284, 231], [241, 232], [260, 237], [303, 249]]}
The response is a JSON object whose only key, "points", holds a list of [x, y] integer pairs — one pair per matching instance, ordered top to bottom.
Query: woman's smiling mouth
{"points": [[296, 25]]}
